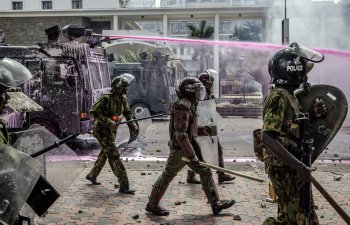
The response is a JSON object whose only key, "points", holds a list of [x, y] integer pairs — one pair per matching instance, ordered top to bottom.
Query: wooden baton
{"points": [[207, 165]]}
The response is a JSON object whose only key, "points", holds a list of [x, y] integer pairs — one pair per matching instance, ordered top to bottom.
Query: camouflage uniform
{"points": [[103, 110], [280, 110], [4, 137], [174, 163]]}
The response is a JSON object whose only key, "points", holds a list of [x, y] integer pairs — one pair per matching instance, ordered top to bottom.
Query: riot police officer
{"points": [[288, 69], [12, 74], [207, 80], [107, 113], [183, 143]]}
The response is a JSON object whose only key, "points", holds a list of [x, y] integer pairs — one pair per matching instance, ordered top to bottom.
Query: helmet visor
{"points": [[308, 54], [14, 73], [128, 77], [200, 92]]}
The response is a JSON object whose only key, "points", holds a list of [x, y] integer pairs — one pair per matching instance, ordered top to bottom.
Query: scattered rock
{"points": [[158, 150], [151, 154], [336, 155], [132, 159], [126, 160], [234, 160], [157, 161], [147, 165], [143, 173], [149, 173], [337, 178], [116, 186], [184, 202], [178, 203], [263, 205], [316, 207], [80, 211], [136, 216], [322, 216], [237, 217]]}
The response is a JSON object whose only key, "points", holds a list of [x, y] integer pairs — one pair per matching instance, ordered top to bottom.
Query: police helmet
{"points": [[291, 65], [12, 73], [206, 77], [121, 83], [192, 88]]}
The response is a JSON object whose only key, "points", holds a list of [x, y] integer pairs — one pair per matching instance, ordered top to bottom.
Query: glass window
{"points": [[46, 4], [77, 4], [17, 5], [95, 75], [105, 75]]}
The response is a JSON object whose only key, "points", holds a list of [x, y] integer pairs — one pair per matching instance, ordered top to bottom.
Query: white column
{"points": [[115, 23], [165, 25], [263, 29], [216, 50]]}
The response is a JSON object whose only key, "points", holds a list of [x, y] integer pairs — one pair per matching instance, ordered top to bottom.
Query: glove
{"points": [[319, 108], [112, 125], [194, 161]]}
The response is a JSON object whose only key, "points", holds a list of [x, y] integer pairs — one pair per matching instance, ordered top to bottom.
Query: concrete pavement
{"points": [[83, 203]]}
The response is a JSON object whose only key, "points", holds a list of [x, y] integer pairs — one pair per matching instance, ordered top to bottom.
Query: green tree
{"points": [[203, 31], [249, 31]]}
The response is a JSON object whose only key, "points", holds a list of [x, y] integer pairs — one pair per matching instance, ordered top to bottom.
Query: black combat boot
{"points": [[223, 177], [192, 178], [92, 180], [126, 190], [157, 193], [213, 197], [220, 205]]}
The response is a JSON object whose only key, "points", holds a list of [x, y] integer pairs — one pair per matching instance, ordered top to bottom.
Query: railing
{"points": [[193, 3]]}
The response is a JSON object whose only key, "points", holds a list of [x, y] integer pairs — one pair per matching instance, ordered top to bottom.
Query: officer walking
{"points": [[288, 69], [207, 80], [107, 113], [183, 143]]}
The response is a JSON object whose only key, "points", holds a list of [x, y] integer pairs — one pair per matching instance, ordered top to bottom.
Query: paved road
{"points": [[235, 137], [82, 203]]}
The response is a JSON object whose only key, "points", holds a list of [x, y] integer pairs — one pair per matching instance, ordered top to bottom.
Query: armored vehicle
{"points": [[70, 74], [155, 82]]}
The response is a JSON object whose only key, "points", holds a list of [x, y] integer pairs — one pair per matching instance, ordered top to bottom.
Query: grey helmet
{"points": [[12, 73], [121, 83]]}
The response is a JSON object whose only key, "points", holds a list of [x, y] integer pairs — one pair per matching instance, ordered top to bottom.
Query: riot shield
{"points": [[207, 117], [324, 129], [125, 135], [18, 175]]}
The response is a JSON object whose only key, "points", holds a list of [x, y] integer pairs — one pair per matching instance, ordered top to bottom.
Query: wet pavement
{"points": [[83, 203]]}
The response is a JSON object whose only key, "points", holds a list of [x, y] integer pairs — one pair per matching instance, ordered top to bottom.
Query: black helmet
{"points": [[291, 65], [12, 73], [206, 77], [120, 83], [192, 88]]}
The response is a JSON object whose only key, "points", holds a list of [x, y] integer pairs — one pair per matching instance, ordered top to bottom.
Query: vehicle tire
{"points": [[140, 109], [49, 125]]}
